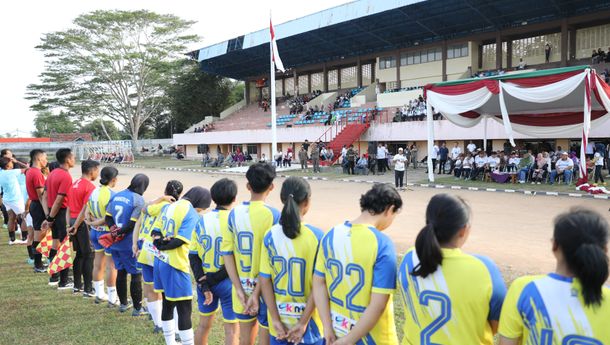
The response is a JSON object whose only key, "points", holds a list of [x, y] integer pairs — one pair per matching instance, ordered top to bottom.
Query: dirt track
{"points": [[514, 230]]}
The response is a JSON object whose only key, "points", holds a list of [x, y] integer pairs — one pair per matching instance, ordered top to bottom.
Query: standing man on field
{"points": [[34, 184], [57, 187]]}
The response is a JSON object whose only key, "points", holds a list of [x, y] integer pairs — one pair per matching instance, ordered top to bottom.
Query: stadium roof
{"points": [[372, 26]]}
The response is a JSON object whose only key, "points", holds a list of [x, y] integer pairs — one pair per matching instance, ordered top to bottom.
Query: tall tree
{"points": [[113, 64], [196, 94], [46, 123], [103, 130]]}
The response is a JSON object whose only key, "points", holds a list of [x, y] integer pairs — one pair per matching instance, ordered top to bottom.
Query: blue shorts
{"points": [[94, 236], [124, 260], [147, 274], [175, 284], [221, 293], [261, 317], [274, 341]]}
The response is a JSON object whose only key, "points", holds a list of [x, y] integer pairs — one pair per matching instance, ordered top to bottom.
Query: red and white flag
{"points": [[276, 56]]}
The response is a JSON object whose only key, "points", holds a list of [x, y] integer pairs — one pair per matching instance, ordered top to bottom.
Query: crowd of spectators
{"points": [[599, 56], [297, 104], [415, 110], [205, 128], [112, 157], [232, 159]]}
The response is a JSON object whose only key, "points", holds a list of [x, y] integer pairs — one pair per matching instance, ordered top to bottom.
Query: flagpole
{"points": [[273, 110]]}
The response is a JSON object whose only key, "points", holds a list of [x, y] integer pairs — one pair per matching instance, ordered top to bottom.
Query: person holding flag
{"points": [[57, 186]]}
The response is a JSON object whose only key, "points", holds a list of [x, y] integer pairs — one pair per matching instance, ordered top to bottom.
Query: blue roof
{"points": [[373, 26]]}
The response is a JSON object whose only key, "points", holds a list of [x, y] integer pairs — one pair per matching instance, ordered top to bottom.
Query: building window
{"points": [[457, 51], [420, 56], [387, 62], [367, 76], [333, 79], [349, 79], [317, 82], [252, 149]]}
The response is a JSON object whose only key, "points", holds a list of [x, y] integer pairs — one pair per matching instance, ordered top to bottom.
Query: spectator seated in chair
{"points": [[480, 165], [362, 166], [524, 166], [564, 167], [540, 169]]}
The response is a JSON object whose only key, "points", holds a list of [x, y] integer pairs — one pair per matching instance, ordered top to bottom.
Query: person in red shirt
{"points": [[34, 184], [57, 187], [79, 231]]}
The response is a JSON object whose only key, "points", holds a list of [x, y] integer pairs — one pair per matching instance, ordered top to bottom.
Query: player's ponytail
{"points": [[107, 175], [174, 189], [295, 192], [446, 215], [582, 236]]}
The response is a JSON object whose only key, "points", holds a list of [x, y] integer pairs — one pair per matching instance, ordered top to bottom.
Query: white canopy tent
{"points": [[562, 101]]}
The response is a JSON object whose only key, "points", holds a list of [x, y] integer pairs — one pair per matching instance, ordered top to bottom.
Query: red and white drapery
{"points": [[536, 104]]}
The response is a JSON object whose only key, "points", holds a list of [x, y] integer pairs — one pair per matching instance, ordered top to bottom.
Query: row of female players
{"points": [[303, 286]]}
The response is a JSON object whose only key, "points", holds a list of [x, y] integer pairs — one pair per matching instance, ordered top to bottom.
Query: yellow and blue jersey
{"points": [[97, 203], [124, 206], [148, 218], [178, 220], [243, 238], [206, 241], [357, 260], [290, 263], [454, 304], [549, 310]]}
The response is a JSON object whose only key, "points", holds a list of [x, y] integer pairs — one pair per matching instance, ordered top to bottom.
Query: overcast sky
{"points": [[22, 23]]}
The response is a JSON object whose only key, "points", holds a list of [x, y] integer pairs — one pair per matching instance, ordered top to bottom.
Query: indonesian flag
{"points": [[276, 56], [63, 259]]}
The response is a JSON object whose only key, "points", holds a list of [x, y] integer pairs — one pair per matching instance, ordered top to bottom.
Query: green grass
{"points": [[451, 181], [35, 313]]}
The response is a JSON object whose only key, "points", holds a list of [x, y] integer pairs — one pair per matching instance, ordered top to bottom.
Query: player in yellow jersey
{"points": [[95, 218], [142, 239], [241, 248], [287, 262], [171, 268], [355, 275], [213, 283], [450, 297], [570, 306]]}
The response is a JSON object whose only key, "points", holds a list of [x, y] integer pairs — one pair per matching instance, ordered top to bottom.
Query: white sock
{"points": [[99, 288], [112, 296], [154, 308], [176, 318], [169, 332], [186, 336]]}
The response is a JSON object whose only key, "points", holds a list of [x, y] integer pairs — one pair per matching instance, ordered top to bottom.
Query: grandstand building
{"points": [[379, 54]]}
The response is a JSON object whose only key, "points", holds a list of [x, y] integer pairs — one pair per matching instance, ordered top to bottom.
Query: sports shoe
{"points": [[10, 243], [30, 261], [40, 270], [53, 281], [66, 286], [76, 290], [88, 294], [99, 300], [116, 303], [124, 307], [138, 312], [158, 330]]}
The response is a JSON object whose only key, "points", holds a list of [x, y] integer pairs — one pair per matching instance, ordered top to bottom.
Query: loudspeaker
{"points": [[372, 149]]}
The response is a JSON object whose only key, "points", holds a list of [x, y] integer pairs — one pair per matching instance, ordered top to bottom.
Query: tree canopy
{"points": [[112, 64], [46, 123]]}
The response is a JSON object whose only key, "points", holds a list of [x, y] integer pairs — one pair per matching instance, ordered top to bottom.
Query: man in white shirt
{"points": [[471, 147], [590, 150], [456, 151], [434, 156], [381, 158], [399, 160], [480, 162], [493, 162], [564, 167]]}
